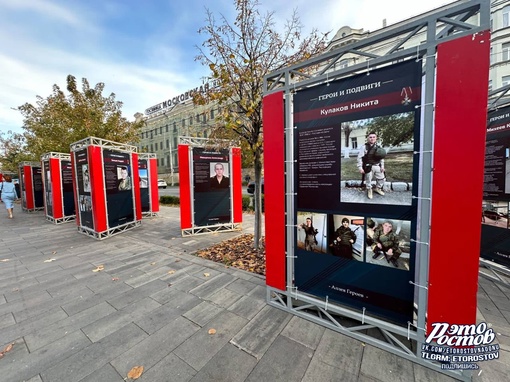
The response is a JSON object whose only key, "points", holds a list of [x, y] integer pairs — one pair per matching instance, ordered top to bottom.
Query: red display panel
{"points": [[459, 140], [153, 179], [237, 185], [28, 186], [184, 186], [56, 188], [97, 188], [274, 189]]}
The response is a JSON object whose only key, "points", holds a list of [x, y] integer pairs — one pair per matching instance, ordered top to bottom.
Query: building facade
{"points": [[178, 116]]}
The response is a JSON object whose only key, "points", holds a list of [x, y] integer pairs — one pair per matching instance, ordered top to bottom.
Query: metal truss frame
{"points": [[416, 39], [93, 141], [52, 154], [148, 156], [61, 220], [227, 227], [109, 232], [495, 272]]}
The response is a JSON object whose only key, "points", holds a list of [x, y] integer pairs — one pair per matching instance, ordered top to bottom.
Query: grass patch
{"points": [[398, 167]]}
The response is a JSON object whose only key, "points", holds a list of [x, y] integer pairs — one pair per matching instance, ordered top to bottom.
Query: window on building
{"points": [[506, 16], [506, 51], [490, 56], [505, 80], [490, 85], [212, 114], [197, 117], [204, 118], [190, 121], [183, 122], [175, 127], [166, 128], [161, 129], [156, 131], [205, 134], [175, 141], [354, 142], [168, 143], [161, 145], [152, 148], [168, 160]]}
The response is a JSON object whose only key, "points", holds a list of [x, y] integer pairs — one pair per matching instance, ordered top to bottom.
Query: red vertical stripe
{"points": [[237, 185], [136, 186], [184, 186], [457, 186], [29, 187], [153, 187], [56, 188], [97, 188], [274, 189]]}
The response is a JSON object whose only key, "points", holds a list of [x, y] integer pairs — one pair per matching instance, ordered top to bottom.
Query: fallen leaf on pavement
{"points": [[54, 252], [4, 260], [49, 260], [153, 263], [99, 268], [171, 272], [206, 274], [115, 279], [212, 331], [7, 349], [135, 372]]}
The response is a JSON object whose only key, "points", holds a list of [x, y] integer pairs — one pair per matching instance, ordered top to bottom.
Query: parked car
{"points": [[162, 183], [251, 187]]}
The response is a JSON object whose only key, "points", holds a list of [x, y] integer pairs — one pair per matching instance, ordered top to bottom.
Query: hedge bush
{"points": [[169, 199]]}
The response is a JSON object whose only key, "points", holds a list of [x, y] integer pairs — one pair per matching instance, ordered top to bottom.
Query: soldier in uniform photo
{"points": [[371, 164]]}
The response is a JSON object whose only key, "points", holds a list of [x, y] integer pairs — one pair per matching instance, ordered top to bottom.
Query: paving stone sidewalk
{"points": [[154, 303]]}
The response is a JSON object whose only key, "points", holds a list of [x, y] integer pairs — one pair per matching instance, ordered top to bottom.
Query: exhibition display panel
{"points": [[148, 174], [57, 178], [358, 182], [31, 186], [210, 187], [106, 188]]}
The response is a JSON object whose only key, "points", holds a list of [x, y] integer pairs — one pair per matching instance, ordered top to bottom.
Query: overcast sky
{"points": [[142, 50]]}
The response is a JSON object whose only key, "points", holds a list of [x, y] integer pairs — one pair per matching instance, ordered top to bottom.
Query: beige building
{"points": [[166, 121]]}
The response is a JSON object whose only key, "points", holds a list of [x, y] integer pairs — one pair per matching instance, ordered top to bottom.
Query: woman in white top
{"points": [[9, 194]]}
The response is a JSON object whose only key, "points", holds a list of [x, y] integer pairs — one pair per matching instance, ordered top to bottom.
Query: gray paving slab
{"points": [[211, 286], [136, 294], [247, 307], [203, 313], [161, 316], [70, 324], [109, 324], [261, 331], [304, 332], [155, 347], [200, 348], [94, 356], [284, 361], [230, 364], [22, 365], [385, 366], [171, 368], [106, 373]]}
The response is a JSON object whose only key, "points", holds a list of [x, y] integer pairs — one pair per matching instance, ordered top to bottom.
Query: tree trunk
{"points": [[257, 199]]}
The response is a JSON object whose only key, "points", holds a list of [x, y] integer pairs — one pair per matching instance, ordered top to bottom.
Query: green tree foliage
{"points": [[239, 54], [55, 122], [393, 130], [13, 151]]}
